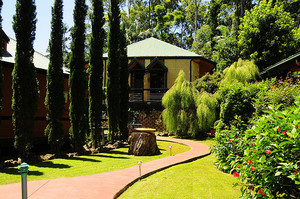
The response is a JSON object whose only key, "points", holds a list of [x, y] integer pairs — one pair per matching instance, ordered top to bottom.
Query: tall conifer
{"points": [[113, 70], [96, 72], [77, 80], [24, 82], [124, 88], [55, 100]]}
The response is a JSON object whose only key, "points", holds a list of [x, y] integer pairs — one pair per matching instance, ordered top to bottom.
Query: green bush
{"points": [[242, 71], [209, 83], [275, 92], [236, 102], [188, 112], [179, 115], [229, 145], [265, 157], [271, 162]]}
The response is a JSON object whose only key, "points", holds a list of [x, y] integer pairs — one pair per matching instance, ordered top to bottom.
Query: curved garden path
{"points": [[104, 185]]}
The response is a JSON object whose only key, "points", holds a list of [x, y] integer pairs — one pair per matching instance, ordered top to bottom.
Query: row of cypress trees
{"points": [[25, 85]]}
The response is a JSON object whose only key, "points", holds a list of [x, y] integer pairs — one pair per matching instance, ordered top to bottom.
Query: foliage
{"points": [[266, 34], [202, 44], [225, 48], [113, 70], [241, 71], [96, 73], [77, 80], [24, 81], [209, 83], [124, 88], [275, 92], [55, 100], [236, 102], [206, 111], [188, 112], [179, 114], [264, 153], [271, 162]]}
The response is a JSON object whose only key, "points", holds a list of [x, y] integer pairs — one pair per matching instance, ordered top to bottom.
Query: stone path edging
{"points": [[104, 185]]}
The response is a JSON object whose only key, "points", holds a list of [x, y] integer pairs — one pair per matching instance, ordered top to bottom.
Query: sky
{"points": [[43, 26]]}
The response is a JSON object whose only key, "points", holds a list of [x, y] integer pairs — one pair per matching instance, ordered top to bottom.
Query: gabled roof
{"points": [[153, 47], [40, 61], [280, 67]]}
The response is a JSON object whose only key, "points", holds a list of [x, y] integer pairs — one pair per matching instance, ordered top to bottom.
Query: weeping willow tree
{"points": [[242, 71], [207, 105], [179, 115]]}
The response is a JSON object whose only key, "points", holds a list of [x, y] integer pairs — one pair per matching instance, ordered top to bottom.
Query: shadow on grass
{"points": [[117, 152], [109, 156], [83, 159], [49, 164], [14, 171]]}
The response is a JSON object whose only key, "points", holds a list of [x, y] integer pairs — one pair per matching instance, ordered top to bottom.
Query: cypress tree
{"points": [[113, 70], [96, 72], [77, 80], [24, 82], [124, 87], [55, 100]]}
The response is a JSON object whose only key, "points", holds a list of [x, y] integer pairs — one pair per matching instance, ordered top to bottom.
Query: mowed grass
{"points": [[86, 165], [197, 179]]}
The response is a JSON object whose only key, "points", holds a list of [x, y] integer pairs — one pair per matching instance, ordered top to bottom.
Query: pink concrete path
{"points": [[104, 185]]}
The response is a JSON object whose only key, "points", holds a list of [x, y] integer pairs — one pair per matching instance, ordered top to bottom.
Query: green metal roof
{"points": [[153, 47], [280, 66]]}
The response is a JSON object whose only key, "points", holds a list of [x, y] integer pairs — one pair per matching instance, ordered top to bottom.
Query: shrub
{"points": [[242, 71], [209, 83], [275, 92], [236, 101], [207, 105], [188, 112], [179, 115], [229, 145], [265, 158], [271, 162]]}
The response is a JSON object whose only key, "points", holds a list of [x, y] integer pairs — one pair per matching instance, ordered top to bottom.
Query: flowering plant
{"points": [[271, 166]]}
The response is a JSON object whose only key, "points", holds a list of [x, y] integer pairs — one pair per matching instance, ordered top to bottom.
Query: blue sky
{"points": [[43, 27]]}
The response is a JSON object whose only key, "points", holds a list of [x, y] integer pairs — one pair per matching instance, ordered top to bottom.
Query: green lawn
{"points": [[86, 165], [198, 179]]}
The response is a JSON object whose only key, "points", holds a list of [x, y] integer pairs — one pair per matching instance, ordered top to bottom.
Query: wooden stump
{"points": [[143, 144]]}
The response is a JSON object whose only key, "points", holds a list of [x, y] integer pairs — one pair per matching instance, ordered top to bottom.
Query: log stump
{"points": [[143, 144]]}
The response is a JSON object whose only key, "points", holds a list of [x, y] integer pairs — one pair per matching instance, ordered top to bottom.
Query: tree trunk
{"points": [[143, 144]]}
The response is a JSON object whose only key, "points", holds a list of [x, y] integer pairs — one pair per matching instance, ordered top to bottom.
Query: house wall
{"points": [[6, 126]]}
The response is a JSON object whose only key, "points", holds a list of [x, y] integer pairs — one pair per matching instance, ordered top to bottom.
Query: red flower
{"points": [[280, 118], [235, 121], [278, 129], [253, 132], [284, 132], [229, 140], [268, 152], [238, 154], [250, 162], [238, 166], [253, 168], [295, 173], [236, 174], [262, 193]]}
